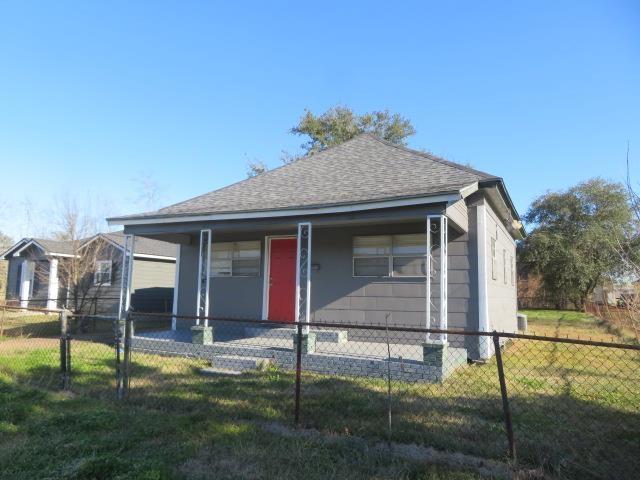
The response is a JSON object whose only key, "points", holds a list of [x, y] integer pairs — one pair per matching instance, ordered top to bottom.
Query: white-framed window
{"points": [[389, 255], [235, 259], [504, 265], [513, 271], [494, 272], [102, 274], [32, 277]]}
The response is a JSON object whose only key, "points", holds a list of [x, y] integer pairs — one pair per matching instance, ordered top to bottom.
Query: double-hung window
{"points": [[389, 256], [235, 259], [504, 265], [494, 272], [513, 272], [102, 274]]}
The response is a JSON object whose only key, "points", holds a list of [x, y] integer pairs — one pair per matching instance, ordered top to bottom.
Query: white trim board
{"points": [[444, 198], [5, 253], [153, 257], [266, 266], [176, 286]]}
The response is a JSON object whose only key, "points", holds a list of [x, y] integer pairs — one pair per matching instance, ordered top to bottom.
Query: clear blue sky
{"points": [[94, 94]]}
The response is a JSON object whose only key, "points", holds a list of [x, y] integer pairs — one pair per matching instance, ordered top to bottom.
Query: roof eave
{"points": [[499, 184], [442, 197], [4, 255]]}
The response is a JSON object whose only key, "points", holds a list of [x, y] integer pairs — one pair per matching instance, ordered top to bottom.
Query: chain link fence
{"points": [[569, 407]]}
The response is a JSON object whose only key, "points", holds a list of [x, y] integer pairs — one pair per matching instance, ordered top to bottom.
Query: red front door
{"points": [[282, 279]]}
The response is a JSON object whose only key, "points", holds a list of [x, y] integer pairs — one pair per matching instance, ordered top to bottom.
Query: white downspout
{"points": [[204, 273], [484, 343]]}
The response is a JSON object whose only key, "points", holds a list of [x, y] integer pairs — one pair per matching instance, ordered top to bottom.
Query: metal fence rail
{"points": [[569, 406]]}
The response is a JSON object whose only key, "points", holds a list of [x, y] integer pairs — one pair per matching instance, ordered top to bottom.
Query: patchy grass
{"points": [[574, 324], [575, 411], [57, 436]]}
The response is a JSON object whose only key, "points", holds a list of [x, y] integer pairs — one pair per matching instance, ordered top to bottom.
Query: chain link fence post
{"points": [[118, 332], [65, 351], [126, 367], [298, 373], [505, 398]]}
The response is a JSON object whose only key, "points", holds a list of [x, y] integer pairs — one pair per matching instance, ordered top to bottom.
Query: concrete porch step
{"points": [[330, 336], [239, 363]]}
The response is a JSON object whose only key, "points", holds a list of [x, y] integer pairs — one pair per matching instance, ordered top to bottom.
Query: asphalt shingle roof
{"points": [[363, 169], [55, 246], [145, 246]]}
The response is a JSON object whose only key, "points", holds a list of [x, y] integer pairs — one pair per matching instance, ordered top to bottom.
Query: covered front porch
{"points": [[306, 270]]}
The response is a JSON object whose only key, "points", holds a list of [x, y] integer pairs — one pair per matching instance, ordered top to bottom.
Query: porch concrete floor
{"points": [[355, 349], [357, 358]]}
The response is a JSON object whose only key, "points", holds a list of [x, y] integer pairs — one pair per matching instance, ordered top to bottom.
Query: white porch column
{"points": [[204, 269], [303, 275], [125, 279], [25, 283], [176, 286], [52, 291], [437, 317], [485, 347]]}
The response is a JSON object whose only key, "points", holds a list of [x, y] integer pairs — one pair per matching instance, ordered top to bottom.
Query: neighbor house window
{"points": [[389, 256], [235, 259], [494, 272], [39, 274], [102, 275], [32, 277]]}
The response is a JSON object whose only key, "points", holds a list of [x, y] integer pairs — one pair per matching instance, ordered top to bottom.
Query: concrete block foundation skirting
{"points": [[202, 335], [331, 336], [233, 356]]}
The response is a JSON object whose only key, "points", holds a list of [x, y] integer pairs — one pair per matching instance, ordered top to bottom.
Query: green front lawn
{"points": [[575, 412]]}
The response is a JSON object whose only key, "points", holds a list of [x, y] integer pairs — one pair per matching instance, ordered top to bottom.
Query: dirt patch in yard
{"points": [[412, 452]]}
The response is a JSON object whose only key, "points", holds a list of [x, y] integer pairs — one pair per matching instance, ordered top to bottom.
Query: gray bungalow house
{"points": [[347, 236], [38, 267]]}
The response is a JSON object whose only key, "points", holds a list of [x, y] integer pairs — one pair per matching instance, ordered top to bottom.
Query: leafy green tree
{"points": [[339, 124], [577, 238]]}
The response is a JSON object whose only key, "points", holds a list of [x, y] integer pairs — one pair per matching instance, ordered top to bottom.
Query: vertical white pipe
{"points": [[303, 243], [204, 259], [126, 275], [443, 276], [428, 278], [25, 283], [176, 286], [52, 291], [483, 299], [308, 303]]}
